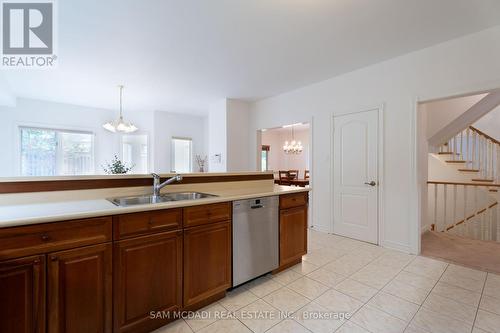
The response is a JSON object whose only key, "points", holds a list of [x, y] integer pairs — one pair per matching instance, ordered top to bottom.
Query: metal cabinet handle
{"points": [[372, 183], [257, 206], [45, 237]]}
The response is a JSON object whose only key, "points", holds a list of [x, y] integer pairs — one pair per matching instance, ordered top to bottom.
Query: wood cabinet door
{"points": [[293, 234], [207, 261], [147, 278], [79, 290], [22, 295]]}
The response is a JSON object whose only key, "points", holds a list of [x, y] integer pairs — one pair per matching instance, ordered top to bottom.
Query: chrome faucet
{"points": [[157, 186]]}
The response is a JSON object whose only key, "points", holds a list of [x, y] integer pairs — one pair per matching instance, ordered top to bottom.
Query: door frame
{"points": [[310, 121], [380, 167], [416, 205]]}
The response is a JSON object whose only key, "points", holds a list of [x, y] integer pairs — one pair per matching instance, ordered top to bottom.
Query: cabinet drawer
{"points": [[293, 200], [205, 214], [129, 225], [42, 238]]}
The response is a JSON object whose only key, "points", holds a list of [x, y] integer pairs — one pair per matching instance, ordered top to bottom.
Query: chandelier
{"points": [[119, 125], [293, 147]]}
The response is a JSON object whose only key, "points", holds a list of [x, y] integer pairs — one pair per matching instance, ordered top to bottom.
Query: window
{"points": [[50, 152], [135, 152], [182, 155], [264, 158]]}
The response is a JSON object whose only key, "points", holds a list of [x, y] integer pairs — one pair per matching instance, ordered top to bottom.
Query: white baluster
{"points": [[462, 146], [455, 147], [473, 150], [479, 150], [468, 159], [489, 159], [498, 164], [475, 200], [445, 206], [435, 207], [454, 218], [490, 223], [497, 223], [464, 228], [482, 228]]}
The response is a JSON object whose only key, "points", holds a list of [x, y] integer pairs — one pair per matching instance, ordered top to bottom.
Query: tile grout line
{"points": [[358, 249], [401, 270], [332, 288], [380, 290], [427, 296], [480, 299], [366, 303], [282, 320]]}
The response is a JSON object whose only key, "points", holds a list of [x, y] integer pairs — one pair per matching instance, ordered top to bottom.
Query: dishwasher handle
{"points": [[257, 206]]}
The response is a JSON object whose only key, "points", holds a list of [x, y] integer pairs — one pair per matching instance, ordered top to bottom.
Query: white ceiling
{"points": [[181, 55]]}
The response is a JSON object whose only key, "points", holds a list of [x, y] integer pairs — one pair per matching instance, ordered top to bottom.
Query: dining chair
{"points": [[293, 174], [283, 177]]}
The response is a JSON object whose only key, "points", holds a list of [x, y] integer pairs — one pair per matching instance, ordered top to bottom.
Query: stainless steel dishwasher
{"points": [[255, 238]]}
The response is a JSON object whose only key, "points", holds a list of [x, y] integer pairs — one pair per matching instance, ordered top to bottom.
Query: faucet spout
{"points": [[157, 186]]}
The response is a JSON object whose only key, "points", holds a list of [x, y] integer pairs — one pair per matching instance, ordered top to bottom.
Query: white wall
{"points": [[455, 67], [28, 112], [441, 113], [168, 125], [160, 127], [238, 135], [229, 136], [217, 137], [278, 160]]}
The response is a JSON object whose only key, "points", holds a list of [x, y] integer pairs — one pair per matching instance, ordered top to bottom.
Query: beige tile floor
{"points": [[380, 290]]}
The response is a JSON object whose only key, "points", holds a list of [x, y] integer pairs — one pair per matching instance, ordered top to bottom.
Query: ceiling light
{"points": [[119, 125], [293, 147]]}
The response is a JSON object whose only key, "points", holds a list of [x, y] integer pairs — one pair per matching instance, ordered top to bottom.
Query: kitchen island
{"points": [[71, 261]]}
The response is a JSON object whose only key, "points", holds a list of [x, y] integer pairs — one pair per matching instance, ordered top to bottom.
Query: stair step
{"points": [[447, 153], [455, 161], [469, 170], [484, 180], [493, 190]]}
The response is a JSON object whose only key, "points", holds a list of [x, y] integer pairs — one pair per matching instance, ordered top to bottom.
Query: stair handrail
{"points": [[484, 134], [439, 182], [480, 211]]}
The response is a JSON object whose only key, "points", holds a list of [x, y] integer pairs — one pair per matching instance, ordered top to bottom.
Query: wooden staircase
{"points": [[476, 153], [469, 208], [464, 209]]}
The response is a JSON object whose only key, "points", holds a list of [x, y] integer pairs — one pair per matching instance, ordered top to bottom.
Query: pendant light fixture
{"points": [[119, 125], [293, 147]]}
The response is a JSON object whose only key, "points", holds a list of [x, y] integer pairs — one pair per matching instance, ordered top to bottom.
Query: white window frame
{"points": [[20, 127], [172, 152], [267, 156], [148, 159]]}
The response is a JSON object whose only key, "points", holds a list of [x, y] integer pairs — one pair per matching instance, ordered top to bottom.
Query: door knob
{"points": [[372, 183]]}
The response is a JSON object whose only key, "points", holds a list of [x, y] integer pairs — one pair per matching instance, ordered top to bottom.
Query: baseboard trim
{"points": [[396, 246]]}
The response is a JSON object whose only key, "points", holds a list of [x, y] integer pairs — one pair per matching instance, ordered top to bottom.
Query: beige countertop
{"points": [[42, 212]]}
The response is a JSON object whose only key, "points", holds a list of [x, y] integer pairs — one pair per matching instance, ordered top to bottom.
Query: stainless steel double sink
{"points": [[151, 199]]}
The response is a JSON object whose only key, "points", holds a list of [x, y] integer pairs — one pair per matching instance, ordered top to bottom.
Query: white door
{"points": [[355, 192]]}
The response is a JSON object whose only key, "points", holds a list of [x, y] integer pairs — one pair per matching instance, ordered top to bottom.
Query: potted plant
{"points": [[117, 167]]}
